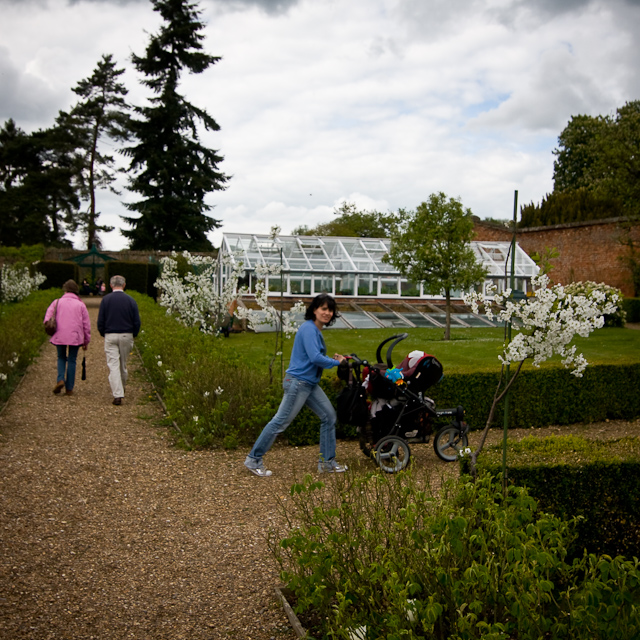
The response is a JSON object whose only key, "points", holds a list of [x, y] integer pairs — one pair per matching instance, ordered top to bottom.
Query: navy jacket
{"points": [[118, 314]]}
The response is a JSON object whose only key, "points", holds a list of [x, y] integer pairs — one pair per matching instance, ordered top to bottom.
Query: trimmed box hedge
{"points": [[57, 273], [140, 276], [632, 307], [541, 397], [573, 476]]}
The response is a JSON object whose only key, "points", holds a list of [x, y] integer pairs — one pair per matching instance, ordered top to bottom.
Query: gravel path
{"points": [[108, 532]]}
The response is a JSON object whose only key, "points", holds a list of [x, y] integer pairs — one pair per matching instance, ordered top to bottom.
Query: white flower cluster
{"points": [[16, 283], [195, 299], [268, 314], [549, 321], [9, 365]]}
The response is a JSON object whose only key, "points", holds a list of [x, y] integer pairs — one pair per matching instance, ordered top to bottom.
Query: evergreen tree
{"points": [[101, 112], [173, 171], [38, 199]]}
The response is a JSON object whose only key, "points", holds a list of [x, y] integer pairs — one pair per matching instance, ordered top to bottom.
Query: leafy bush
{"points": [[57, 272], [135, 273], [631, 307], [21, 336], [210, 390], [541, 397], [569, 476], [383, 557]]}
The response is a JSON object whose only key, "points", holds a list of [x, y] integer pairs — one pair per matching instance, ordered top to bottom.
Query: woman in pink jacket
{"points": [[73, 330]]}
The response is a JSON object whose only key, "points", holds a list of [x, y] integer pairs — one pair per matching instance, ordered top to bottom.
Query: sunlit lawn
{"points": [[469, 350]]}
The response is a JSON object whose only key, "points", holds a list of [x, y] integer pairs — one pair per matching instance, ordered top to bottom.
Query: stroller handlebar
{"points": [[397, 338]]}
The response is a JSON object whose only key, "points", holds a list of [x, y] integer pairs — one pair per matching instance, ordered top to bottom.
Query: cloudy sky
{"points": [[377, 102]]}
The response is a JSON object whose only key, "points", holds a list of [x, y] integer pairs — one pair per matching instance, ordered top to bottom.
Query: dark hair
{"points": [[70, 286], [318, 302]]}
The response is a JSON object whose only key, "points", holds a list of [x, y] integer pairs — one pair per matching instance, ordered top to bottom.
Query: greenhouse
{"points": [[353, 267]]}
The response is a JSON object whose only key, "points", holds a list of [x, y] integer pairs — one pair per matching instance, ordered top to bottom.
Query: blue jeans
{"points": [[67, 364], [297, 393]]}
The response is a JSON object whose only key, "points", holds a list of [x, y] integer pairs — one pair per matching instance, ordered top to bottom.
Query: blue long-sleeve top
{"points": [[309, 354]]}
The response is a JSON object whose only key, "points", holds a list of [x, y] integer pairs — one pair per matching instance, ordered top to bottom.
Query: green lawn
{"points": [[469, 350]]}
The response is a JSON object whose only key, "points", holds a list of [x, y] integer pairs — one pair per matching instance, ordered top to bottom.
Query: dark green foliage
{"points": [[101, 111], [602, 155], [171, 170], [38, 199], [581, 205], [57, 273], [135, 273], [152, 275], [632, 308], [21, 336], [541, 397], [572, 476], [385, 553]]}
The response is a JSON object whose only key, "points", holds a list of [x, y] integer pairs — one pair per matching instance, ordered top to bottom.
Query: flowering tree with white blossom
{"points": [[16, 283], [196, 298], [549, 321]]}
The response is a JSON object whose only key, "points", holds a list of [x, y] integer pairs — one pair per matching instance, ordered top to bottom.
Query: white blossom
{"points": [[16, 283], [550, 320]]}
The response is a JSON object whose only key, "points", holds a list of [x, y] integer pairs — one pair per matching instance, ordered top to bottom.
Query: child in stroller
{"points": [[389, 407]]}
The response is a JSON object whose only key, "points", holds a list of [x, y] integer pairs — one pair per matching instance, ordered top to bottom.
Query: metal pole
{"points": [[506, 398]]}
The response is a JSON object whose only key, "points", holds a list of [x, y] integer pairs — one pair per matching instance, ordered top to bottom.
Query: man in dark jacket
{"points": [[118, 324]]}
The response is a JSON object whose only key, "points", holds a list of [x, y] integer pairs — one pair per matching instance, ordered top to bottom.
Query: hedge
{"points": [[57, 273], [140, 276], [632, 307], [541, 397], [573, 476]]}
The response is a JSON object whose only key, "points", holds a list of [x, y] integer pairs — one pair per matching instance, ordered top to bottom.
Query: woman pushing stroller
{"points": [[301, 386]]}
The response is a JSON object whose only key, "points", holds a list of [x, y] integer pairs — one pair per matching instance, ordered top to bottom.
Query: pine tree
{"points": [[101, 112], [172, 170], [38, 199]]}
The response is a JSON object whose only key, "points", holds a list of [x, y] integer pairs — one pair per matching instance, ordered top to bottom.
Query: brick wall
{"points": [[588, 250]]}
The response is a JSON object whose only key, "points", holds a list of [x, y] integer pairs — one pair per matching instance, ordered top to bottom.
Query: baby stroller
{"points": [[389, 407]]}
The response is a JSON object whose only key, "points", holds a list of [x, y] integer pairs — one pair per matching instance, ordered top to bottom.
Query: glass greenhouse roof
{"points": [[353, 255]]}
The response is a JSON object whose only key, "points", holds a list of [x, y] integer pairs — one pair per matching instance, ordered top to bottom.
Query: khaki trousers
{"points": [[117, 347]]}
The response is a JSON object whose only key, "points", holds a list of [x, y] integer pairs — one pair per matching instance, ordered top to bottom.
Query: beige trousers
{"points": [[117, 347]]}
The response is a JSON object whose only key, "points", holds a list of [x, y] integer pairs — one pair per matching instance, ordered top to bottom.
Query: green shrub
{"points": [[57, 273], [135, 273], [631, 307], [21, 336], [210, 390], [545, 396], [569, 476], [382, 553]]}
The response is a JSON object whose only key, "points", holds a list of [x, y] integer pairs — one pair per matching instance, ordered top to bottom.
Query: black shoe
{"points": [[117, 401]]}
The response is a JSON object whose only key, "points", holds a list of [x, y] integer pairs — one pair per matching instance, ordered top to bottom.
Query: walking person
{"points": [[118, 324], [73, 330], [301, 386]]}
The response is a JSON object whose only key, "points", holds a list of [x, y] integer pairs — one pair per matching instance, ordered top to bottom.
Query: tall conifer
{"points": [[171, 170]]}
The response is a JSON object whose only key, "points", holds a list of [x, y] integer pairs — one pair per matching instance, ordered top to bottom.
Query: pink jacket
{"points": [[72, 320]]}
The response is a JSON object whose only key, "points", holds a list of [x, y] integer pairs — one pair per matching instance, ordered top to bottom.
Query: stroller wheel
{"points": [[448, 442], [392, 454]]}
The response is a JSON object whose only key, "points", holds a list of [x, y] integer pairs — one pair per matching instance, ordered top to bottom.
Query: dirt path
{"points": [[108, 532]]}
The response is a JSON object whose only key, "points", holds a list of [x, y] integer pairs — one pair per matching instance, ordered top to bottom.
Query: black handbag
{"points": [[51, 325]]}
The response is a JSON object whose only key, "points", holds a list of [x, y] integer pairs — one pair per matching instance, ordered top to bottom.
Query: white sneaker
{"points": [[331, 467], [263, 473]]}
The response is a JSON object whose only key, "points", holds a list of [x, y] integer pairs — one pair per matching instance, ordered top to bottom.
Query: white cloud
{"points": [[378, 101]]}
